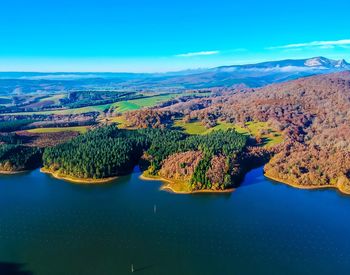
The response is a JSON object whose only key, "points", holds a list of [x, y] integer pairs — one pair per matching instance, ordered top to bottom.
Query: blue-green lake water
{"points": [[48, 226]]}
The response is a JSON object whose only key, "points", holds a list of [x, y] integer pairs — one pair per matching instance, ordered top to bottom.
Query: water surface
{"points": [[48, 226]]}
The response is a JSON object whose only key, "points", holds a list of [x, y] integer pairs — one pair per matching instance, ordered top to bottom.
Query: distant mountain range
{"points": [[316, 63], [252, 75], [257, 75]]}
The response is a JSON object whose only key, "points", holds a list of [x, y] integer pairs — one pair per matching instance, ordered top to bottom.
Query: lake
{"points": [[48, 226]]}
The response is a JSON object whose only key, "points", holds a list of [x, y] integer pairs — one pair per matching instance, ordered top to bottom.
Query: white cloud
{"points": [[322, 44], [198, 53], [286, 69]]}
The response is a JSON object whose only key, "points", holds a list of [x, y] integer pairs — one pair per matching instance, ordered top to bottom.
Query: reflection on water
{"points": [[262, 228]]}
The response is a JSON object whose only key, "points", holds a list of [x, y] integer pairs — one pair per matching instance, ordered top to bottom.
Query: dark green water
{"points": [[49, 226]]}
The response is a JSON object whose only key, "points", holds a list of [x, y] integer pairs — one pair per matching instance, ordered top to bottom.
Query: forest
{"points": [[313, 114], [14, 125], [109, 152], [15, 158]]}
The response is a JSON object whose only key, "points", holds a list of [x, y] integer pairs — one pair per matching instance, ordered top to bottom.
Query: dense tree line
{"points": [[77, 99], [12, 122], [14, 125], [10, 138], [109, 151], [104, 152], [19, 158]]}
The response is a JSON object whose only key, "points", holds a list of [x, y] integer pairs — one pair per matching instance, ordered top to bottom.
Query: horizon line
{"points": [[160, 72]]}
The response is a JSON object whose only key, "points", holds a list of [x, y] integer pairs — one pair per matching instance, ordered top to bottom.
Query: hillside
{"points": [[312, 112]]}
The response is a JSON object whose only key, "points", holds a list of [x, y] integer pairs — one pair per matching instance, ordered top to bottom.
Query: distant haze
{"points": [[251, 75]]}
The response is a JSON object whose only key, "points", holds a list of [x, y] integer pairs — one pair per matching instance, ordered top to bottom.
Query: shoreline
{"points": [[2, 172], [71, 179], [166, 183], [298, 186], [168, 188]]}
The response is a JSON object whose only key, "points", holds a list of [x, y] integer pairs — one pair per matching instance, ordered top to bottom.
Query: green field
{"points": [[136, 104], [125, 106], [120, 120], [196, 127], [192, 128], [80, 129], [253, 129], [272, 138]]}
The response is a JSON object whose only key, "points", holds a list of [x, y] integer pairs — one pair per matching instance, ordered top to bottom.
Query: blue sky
{"points": [[162, 35]]}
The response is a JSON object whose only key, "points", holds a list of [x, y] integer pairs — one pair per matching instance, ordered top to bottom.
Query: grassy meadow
{"points": [[136, 104], [80, 129], [270, 138]]}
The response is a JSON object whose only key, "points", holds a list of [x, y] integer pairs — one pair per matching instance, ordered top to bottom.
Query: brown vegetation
{"points": [[313, 113], [149, 118], [45, 139], [180, 166], [217, 171]]}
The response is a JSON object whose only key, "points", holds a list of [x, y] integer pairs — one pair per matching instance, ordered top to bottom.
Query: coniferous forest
{"points": [[109, 152], [18, 158]]}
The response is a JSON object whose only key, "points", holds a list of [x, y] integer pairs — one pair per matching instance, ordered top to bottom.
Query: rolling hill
{"points": [[251, 75]]}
